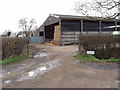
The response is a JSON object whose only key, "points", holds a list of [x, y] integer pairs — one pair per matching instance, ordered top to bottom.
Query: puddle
{"points": [[40, 55], [44, 68], [11, 73], [31, 74], [7, 81], [117, 81]]}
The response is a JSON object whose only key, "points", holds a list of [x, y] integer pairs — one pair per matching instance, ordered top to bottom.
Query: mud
{"points": [[55, 67]]}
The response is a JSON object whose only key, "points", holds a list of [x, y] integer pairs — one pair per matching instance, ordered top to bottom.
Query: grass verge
{"points": [[92, 58], [13, 59]]}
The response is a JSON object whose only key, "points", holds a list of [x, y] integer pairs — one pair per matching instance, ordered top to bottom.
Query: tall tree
{"points": [[109, 9], [27, 26]]}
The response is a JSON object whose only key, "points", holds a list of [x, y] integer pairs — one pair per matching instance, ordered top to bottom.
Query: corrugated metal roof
{"points": [[73, 17]]}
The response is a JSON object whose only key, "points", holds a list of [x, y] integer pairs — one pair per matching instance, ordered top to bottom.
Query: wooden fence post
{"points": [[28, 47]]}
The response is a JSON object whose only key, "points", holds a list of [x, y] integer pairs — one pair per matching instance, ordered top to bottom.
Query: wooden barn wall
{"points": [[70, 25], [90, 26], [71, 29], [69, 37]]}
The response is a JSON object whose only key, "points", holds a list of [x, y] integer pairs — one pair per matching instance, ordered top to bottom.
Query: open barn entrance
{"points": [[49, 32]]}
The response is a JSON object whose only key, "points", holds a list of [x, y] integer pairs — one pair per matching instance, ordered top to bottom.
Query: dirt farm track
{"points": [[55, 67]]}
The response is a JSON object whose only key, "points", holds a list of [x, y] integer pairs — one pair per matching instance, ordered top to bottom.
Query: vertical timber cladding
{"points": [[91, 27], [118, 27], [70, 30]]}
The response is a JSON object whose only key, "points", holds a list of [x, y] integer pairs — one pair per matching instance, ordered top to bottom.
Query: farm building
{"points": [[65, 29]]}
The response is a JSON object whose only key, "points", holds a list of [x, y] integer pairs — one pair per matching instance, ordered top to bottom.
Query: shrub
{"points": [[13, 46], [105, 46]]}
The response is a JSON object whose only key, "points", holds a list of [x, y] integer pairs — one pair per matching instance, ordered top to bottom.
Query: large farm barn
{"points": [[65, 29]]}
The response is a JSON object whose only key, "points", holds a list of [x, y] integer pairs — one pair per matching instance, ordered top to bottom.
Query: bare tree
{"points": [[109, 9], [27, 26], [7, 33]]}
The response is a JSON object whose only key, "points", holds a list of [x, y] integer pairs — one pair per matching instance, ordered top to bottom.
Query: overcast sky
{"points": [[11, 11]]}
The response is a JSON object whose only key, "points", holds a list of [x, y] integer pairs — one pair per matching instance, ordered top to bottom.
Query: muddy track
{"points": [[55, 67]]}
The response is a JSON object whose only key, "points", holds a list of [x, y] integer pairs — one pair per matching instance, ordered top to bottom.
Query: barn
{"points": [[65, 29]]}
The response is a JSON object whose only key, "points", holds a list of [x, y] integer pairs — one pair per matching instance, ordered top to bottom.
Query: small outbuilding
{"points": [[65, 29]]}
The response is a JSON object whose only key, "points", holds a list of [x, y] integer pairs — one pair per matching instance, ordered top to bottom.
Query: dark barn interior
{"points": [[70, 25], [90, 26], [105, 26], [118, 28], [49, 32], [41, 33]]}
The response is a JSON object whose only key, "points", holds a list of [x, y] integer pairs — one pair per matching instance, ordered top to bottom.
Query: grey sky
{"points": [[13, 10]]}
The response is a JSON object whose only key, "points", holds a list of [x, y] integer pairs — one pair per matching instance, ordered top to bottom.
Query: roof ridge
{"points": [[77, 16]]}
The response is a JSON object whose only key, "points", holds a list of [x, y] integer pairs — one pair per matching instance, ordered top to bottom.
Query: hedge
{"points": [[13, 46], [105, 46]]}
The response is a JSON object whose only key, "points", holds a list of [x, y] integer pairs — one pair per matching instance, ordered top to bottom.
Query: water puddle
{"points": [[40, 55], [44, 68], [11, 73], [31, 74], [7, 81], [117, 81]]}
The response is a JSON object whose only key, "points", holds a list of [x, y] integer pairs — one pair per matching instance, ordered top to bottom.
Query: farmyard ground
{"points": [[55, 67]]}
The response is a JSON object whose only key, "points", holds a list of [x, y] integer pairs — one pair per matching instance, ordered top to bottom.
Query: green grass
{"points": [[92, 58], [13, 59]]}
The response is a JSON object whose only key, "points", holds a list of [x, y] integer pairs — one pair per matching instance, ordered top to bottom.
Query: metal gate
{"points": [[39, 39]]}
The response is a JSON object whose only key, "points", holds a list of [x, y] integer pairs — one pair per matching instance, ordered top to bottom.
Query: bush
{"points": [[13, 46], [105, 46]]}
